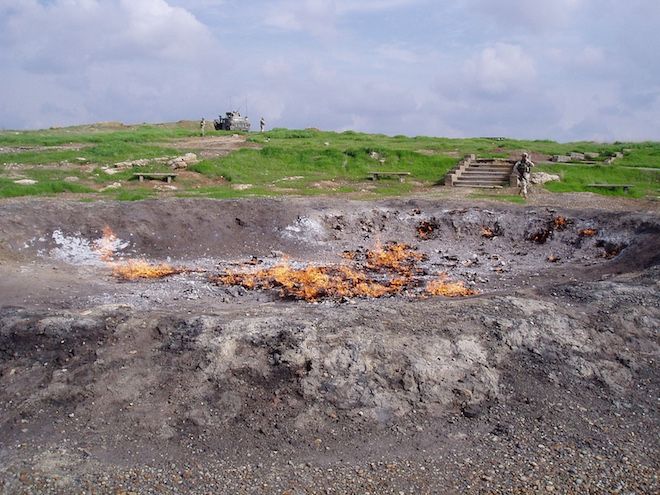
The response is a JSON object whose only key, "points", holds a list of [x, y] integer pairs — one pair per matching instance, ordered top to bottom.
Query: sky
{"points": [[536, 69]]}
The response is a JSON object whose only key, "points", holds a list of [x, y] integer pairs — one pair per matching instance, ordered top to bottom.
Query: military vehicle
{"points": [[232, 121]]}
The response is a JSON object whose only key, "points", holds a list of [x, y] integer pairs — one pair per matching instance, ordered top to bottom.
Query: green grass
{"points": [[92, 135], [102, 146], [486, 147], [104, 154], [645, 155], [38, 157], [277, 161], [296, 162], [212, 169], [49, 174], [100, 177], [575, 178], [8, 189], [131, 194]]}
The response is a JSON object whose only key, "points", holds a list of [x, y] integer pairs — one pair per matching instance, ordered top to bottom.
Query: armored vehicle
{"points": [[232, 121]]}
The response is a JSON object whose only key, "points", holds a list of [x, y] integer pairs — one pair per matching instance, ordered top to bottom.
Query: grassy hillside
{"points": [[281, 162]]}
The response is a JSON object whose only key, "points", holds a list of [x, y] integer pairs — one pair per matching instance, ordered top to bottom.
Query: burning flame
{"points": [[556, 223], [559, 223], [425, 229], [487, 232], [588, 232], [541, 236], [107, 244], [106, 247], [349, 255], [397, 257], [136, 269], [380, 272], [311, 283], [442, 287]]}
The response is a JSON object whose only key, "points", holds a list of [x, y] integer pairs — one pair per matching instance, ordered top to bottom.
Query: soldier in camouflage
{"points": [[523, 167]]}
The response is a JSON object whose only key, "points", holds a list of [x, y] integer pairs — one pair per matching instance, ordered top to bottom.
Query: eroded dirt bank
{"points": [[546, 381]]}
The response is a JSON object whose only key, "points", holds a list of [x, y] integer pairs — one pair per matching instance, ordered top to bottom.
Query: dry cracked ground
{"points": [[544, 381]]}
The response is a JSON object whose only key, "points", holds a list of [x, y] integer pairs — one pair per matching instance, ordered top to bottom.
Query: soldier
{"points": [[262, 124], [202, 126], [524, 169]]}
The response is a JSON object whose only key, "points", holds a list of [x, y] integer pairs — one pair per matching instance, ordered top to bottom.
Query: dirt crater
{"points": [[184, 365]]}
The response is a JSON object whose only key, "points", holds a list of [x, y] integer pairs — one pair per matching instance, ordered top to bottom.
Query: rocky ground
{"points": [[546, 381]]}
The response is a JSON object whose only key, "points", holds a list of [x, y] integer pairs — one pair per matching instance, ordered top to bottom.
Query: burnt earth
{"points": [[546, 381]]}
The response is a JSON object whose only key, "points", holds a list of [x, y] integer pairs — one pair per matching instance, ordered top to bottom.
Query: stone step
{"points": [[488, 172], [472, 173], [485, 173], [484, 179], [497, 180], [480, 182], [483, 186]]}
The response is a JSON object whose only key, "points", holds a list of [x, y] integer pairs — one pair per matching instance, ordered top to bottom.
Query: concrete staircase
{"points": [[481, 172]]}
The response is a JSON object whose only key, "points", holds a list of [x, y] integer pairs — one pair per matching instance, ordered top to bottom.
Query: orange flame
{"points": [[559, 222], [425, 229], [487, 232], [588, 232], [541, 236], [105, 246], [349, 255], [397, 257], [391, 267], [136, 269], [311, 283], [442, 287]]}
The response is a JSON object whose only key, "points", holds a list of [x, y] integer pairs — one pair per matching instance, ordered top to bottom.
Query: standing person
{"points": [[262, 125], [202, 126], [524, 169]]}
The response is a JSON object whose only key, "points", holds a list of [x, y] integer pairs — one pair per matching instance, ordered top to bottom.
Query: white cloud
{"points": [[348, 6], [528, 15], [317, 17], [320, 17], [171, 32], [70, 35], [391, 53], [591, 56], [75, 60], [586, 62], [277, 68], [500, 68], [566, 69]]}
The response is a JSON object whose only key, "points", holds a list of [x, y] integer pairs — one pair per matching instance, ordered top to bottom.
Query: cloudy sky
{"points": [[558, 69]]}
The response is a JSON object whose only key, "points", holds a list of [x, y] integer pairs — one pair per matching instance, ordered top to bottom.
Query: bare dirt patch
{"points": [[212, 146], [546, 380]]}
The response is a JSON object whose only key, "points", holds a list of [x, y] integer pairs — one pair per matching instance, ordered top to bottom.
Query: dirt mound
{"points": [[178, 384]]}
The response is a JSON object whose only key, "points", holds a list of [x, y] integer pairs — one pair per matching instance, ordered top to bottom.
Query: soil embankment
{"points": [[545, 381]]}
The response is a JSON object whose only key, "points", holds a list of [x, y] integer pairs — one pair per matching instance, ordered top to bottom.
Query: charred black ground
{"points": [[547, 380]]}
